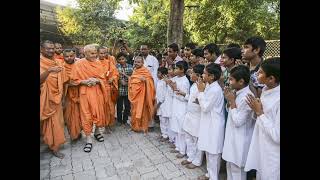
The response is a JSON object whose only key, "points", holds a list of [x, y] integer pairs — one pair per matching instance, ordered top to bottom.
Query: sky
{"points": [[123, 14]]}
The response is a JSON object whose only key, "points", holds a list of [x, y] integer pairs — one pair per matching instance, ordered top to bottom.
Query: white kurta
{"points": [[152, 64], [161, 91], [179, 104], [167, 105], [192, 118], [239, 130], [211, 131], [264, 151]]}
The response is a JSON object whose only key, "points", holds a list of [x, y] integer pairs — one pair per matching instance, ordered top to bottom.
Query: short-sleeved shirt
{"points": [[128, 69], [254, 77]]}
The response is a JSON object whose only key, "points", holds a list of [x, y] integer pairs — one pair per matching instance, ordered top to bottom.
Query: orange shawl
{"points": [[112, 89], [142, 98], [92, 99], [72, 106], [51, 115]]}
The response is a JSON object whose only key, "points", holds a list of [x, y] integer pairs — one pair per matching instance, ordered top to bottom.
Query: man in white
{"points": [[152, 64], [192, 121], [240, 123], [211, 131], [264, 151]]}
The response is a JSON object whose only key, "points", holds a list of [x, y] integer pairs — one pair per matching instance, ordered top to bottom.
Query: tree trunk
{"points": [[175, 23]]}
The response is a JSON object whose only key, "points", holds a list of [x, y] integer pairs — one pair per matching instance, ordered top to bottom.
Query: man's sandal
{"points": [[99, 137], [87, 148]]}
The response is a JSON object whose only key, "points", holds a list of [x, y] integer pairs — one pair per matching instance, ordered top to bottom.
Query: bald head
{"points": [[58, 48], [47, 49], [102, 52], [69, 56]]}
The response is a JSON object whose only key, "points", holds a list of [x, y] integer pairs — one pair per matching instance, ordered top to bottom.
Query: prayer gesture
{"points": [[238, 62], [55, 69], [173, 85], [201, 85], [180, 93], [229, 94], [255, 104]]}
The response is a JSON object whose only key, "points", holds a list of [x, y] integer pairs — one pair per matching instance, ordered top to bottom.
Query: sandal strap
{"points": [[99, 137], [87, 147]]}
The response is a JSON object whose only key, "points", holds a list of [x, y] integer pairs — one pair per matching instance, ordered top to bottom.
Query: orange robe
{"points": [[58, 57], [112, 89], [142, 97], [92, 99], [72, 107], [51, 114]]}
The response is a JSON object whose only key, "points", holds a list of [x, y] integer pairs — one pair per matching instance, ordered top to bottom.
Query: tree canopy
{"points": [[218, 21]]}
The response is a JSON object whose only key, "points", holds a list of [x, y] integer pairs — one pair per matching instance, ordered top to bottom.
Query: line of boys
{"points": [[193, 119]]}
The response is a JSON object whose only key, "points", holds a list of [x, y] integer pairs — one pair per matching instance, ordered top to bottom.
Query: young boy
{"points": [[252, 52], [196, 57], [228, 58], [125, 71], [181, 88], [161, 89], [141, 94], [167, 105], [192, 122], [212, 122], [240, 123], [264, 151]]}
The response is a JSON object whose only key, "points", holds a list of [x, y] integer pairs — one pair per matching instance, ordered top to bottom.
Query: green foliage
{"points": [[219, 21], [233, 21], [92, 22]]}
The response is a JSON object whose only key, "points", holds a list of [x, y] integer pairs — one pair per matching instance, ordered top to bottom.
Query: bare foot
{"points": [[163, 139], [174, 151], [58, 154], [180, 155], [185, 162], [191, 166], [203, 177]]}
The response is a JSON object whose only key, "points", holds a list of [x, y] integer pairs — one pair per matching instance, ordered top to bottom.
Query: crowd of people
{"points": [[210, 103]]}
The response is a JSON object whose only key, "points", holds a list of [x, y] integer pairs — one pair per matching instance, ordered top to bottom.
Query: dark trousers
{"points": [[123, 117]]}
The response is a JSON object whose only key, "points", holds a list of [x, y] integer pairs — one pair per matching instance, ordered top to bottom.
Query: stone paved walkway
{"points": [[124, 155]]}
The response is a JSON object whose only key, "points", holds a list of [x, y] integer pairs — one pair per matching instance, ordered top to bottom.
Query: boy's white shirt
{"points": [[160, 95], [179, 104], [167, 106], [192, 118], [212, 122], [239, 130], [264, 151]]}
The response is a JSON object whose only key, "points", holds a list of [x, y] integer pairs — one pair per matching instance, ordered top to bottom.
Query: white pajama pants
{"points": [[164, 126], [172, 135], [180, 143], [194, 154], [213, 165], [235, 172]]}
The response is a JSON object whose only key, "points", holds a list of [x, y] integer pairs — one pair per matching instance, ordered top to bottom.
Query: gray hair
{"points": [[89, 47]]}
